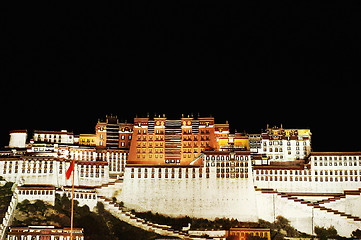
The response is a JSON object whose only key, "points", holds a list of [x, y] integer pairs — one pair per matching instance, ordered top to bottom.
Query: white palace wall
{"points": [[49, 170], [333, 174], [225, 187], [195, 196], [192, 197], [304, 217]]}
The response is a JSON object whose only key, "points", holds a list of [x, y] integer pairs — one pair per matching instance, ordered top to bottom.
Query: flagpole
{"points": [[72, 208]]}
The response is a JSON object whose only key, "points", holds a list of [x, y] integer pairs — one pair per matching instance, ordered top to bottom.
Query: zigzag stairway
{"points": [[296, 197], [131, 219]]}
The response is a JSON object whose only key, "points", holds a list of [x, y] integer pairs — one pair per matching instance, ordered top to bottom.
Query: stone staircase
{"points": [[108, 189], [341, 196], [317, 204], [9, 214], [131, 219]]}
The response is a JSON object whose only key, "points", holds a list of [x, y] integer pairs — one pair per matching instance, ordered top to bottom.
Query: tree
{"points": [[40, 206], [100, 208], [281, 222], [323, 233], [356, 234]]}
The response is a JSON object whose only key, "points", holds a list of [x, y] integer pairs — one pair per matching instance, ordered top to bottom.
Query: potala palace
{"points": [[191, 166]]}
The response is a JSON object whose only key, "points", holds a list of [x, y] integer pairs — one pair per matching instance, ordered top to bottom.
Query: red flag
{"points": [[70, 169]]}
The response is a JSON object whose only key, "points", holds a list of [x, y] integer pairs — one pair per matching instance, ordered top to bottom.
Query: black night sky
{"points": [[64, 66]]}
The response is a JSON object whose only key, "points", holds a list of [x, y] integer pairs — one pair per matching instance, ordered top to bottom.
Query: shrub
{"points": [[324, 234], [356, 234]]}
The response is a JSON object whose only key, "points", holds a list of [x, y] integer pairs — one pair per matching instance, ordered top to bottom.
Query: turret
{"points": [[18, 138]]}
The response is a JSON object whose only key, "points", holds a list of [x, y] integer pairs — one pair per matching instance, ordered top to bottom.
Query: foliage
{"points": [[5, 192], [5, 198], [37, 213], [176, 223], [97, 225], [103, 226], [279, 229], [323, 233], [356, 234]]}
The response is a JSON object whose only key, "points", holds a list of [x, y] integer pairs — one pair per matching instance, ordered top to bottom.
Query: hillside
{"points": [[5, 198], [97, 225]]}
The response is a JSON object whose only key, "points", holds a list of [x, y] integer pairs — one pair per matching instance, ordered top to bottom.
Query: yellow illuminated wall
{"points": [[304, 132], [87, 139], [223, 141], [237, 142], [243, 142]]}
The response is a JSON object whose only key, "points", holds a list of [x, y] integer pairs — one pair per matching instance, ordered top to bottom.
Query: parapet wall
{"points": [[227, 189], [197, 193]]}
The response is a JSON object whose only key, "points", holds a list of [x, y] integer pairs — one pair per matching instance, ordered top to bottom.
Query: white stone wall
{"points": [[55, 137], [17, 139], [285, 150], [115, 158], [52, 171], [325, 175], [37, 194], [209, 196], [84, 197], [195, 197], [350, 205], [9, 215], [301, 216]]}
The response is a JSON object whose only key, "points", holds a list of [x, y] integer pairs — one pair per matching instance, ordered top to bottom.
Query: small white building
{"points": [[62, 136], [18, 138], [286, 144], [32, 193], [83, 194], [44, 232]]}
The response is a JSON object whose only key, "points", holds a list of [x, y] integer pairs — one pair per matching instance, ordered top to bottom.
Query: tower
{"points": [[18, 139]]}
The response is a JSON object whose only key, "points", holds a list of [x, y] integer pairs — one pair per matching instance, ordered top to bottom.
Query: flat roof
{"points": [[335, 153], [162, 166], [249, 229]]}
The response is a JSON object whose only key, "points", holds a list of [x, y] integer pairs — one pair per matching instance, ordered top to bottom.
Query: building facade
{"points": [[113, 134], [62, 136], [163, 141], [281, 144], [194, 167], [44, 232], [249, 233]]}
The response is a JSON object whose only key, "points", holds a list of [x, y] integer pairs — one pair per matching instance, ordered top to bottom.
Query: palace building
{"points": [[113, 134], [162, 141], [281, 144], [192, 167], [44, 232], [248, 233]]}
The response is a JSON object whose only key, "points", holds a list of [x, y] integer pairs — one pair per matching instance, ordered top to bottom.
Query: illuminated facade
{"points": [[113, 134], [63, 136], [87, 139], [162, 141], [281, 144], [193, 167], [44, 232], [249, 233]]}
